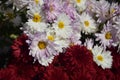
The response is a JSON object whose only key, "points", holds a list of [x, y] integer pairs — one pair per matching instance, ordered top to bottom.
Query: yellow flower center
{"points": [[36, 1], [78, 1], [113, 10], [36, 17], [86, 23], [61, 25], [108, 35], [51, 38], [42, 45], [100, 58]]}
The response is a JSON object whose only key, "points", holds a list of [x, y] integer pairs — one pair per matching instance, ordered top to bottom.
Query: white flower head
{"points": [[36, 2], [22, 3], [81, 4], [113, 8], [102, 10], [35, 12], [87, 24], [62, 26], [32, 27], [117, 27], [105, 37], [75, 38], [62, 43], [89, 43], [42, 49], [101, 57], [45, 61]]}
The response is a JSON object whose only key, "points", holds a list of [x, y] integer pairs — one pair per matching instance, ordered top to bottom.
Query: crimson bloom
{"points": [[20, 49], [77, 62], [116, 62], [15, 72], [55, 73]]}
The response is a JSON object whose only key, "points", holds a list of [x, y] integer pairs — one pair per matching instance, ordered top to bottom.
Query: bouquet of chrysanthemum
{"points": [[67, 40]]}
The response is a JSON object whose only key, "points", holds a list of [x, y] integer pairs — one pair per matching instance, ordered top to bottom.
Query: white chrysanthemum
{"points": [[36, 2], [21, 3], [81, 4], [91, 6], [113, 8], [102, 10], [34, 11], [87, 23], [35, 24], [62, 26], [33, 27], [117, 27], [105, 37], [75, 38], [61, 43], [89, 43], [42, 49], [101, 57], [45, 60]]}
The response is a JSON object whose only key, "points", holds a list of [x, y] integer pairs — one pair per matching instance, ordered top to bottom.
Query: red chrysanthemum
{"points": [[20, 49], [77, 56], [77, 62], [116, 62], [21, 64], [22, 71], [13, 72], [55, 73], [83, 74], [103, 74]]}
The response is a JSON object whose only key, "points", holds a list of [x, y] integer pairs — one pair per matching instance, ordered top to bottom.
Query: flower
{"points": [[22, 3], [81, 4], [91, 7], [52, 8], [69, 9], [113, 9], [102, 10], [35, 13], [87, 24], [62, 26], [117, 26], [32, 27], [105, 36], [75, 39], [62, 43], [89, 44], [20, 49], [42, 49], [101, 57], [75, 58], [76, 62], [116, 62], [51, 71], [17, 72], [103, 74]]}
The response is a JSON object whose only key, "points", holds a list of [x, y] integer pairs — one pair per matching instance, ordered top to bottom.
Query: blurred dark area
{"points": [[10, 23]]}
